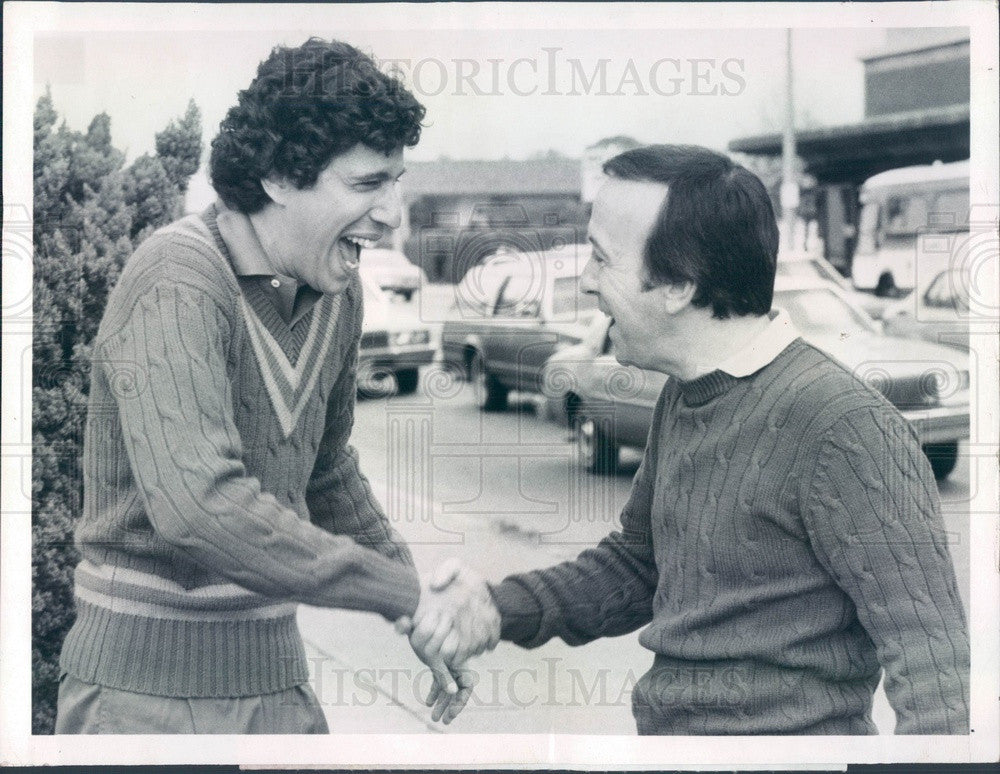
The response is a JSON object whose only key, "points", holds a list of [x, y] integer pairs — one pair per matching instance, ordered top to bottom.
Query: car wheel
{"points": [[886, 287], [407, 380], [490, 394], [571, 408], [596, 446], [943, 457]]}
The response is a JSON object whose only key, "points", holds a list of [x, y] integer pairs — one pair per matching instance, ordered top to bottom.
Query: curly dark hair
{"points": [[306, 106]]}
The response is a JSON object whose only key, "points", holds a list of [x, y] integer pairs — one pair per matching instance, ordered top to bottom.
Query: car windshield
{"points": [[808, 269], [947, 291], [521, 296], [820, 312]]}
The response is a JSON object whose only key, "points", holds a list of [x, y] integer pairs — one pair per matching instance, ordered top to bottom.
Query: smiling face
{"points": [[623, 217], [316, 233]]}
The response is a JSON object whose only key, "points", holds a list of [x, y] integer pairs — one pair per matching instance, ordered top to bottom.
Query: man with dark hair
{"points": [[220, 488], [783, 541]]}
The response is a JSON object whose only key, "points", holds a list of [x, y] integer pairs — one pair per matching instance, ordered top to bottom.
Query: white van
{"points": [[911, 218]]}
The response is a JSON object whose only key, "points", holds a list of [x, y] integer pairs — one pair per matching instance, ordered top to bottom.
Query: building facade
{"points": [[917, 88]]}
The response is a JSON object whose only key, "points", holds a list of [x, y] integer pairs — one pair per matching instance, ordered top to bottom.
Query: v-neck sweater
{"points": [[220, 489]]}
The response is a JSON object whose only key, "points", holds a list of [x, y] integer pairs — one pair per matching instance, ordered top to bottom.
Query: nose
{"points": [[388, 210], [588, 280]]}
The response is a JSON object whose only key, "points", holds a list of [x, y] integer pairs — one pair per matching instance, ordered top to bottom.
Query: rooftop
{"points": [[854, 152], [475, 178]]}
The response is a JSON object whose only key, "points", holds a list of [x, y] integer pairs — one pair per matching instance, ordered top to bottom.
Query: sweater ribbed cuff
{"points": [[520, 613]]}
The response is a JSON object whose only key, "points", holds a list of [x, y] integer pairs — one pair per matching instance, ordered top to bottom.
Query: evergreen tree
{"points": [[179, 147], [90, 212]]}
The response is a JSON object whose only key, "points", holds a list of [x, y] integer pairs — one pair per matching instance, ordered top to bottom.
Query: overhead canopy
{"points": [[855, 152]]}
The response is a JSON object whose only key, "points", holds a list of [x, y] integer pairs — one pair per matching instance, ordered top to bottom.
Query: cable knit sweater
{"points": [[220, 489], [783, 541]]}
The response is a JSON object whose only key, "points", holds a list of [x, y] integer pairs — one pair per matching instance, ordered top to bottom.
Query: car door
{"points": [[565, 318], [470, 319], [515, 330]]}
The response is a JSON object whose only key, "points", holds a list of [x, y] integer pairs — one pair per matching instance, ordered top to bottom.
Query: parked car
{"points": [[802, 265], [392, 271], [938, 312], [510, 315], [394, 343], [611, 405]]}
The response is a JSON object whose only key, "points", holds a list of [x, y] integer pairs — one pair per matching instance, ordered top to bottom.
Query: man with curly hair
{"points": [[220, 488]]}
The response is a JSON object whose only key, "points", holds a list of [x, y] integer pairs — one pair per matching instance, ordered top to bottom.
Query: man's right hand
{"points": [[459, 619], [455, 620]]}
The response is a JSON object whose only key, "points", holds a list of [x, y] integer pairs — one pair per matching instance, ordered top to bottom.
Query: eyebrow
{"points": [[380, 176]]}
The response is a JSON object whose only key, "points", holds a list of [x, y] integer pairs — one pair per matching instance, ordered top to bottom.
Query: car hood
{"points": [[390, 317], [906, 355], [912, 374]]}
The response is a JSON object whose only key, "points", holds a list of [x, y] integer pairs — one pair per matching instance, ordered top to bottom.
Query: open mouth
{"points": [[351, 246]]}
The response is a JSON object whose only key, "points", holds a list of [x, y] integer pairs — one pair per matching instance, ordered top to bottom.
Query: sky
{"points": [[143, 79], [490, 93]]}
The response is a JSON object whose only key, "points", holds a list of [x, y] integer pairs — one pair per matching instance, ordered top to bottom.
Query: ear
{"points": [[277, 189], [677, 296]]}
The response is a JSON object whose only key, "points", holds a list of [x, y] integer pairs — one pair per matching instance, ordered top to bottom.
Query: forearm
{"points": [[221, 520], [607, 591]]}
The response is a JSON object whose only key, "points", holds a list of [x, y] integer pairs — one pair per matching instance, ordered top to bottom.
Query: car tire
{"points": [[407, 381], [490, 394], [571, 411], [595, 443], [943, 458]]}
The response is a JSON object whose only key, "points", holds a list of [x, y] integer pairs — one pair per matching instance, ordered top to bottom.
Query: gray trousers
{"points": [[85, 708]]}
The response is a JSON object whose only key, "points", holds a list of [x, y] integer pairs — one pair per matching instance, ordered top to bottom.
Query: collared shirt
{"points": [[292, 299], [763, 348]]}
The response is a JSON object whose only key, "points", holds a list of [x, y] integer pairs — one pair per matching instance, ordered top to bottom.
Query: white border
{"points": [[23, 20]]}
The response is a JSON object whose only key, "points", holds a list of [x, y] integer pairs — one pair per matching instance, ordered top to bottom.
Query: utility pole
{"points": [[789, 183]]}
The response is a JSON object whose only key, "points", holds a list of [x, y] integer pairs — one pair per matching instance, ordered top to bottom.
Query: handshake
{"points": [[455, 620]]}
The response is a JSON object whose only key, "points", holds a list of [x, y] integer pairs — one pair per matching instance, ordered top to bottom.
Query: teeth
{"points": [[368, 244]]}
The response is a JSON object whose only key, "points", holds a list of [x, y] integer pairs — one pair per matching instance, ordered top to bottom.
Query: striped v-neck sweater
{"points": [[219, 486]]}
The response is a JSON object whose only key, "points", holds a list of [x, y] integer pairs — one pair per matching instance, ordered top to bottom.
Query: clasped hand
{"points": [[455, 620]]}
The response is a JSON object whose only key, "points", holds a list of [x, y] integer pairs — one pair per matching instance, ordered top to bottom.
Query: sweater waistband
{"points": [[132, 592], [184, 658]]}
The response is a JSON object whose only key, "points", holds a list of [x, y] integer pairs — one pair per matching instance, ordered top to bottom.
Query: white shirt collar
{"points": [[763, 348]]}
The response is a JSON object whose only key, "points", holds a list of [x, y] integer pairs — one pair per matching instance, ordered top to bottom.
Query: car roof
{"points": [[921, 174]]}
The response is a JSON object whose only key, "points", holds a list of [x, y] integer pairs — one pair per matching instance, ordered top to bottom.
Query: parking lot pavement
{"points": [[376, 695]]}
